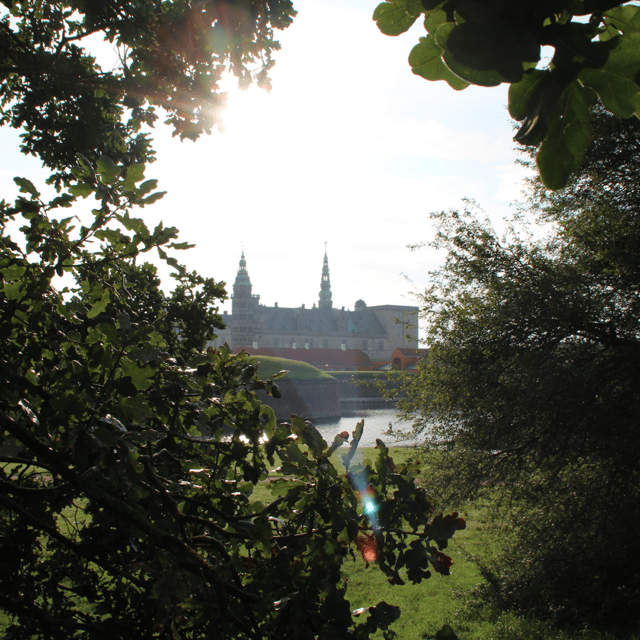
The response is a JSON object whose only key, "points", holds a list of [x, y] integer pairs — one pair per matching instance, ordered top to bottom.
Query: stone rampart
{"points": [[313, 399]]}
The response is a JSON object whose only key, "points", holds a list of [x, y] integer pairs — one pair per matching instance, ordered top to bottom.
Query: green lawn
{"points": [[268, 366], [440, 600], [427, 606]]}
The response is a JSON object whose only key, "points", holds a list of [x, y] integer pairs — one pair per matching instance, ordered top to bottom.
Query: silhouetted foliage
{"points": [[489, 42], [531, 392], [130, 456]]}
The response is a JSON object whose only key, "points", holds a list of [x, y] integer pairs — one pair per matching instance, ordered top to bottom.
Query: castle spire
{"points": [[242, 278], [325, 284], [243, 306]]}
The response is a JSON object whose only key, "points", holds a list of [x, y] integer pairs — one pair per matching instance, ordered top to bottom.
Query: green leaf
{"points": [[414, 7], [393, 18], [433, 19], [625, 19], [487, 41], [624, 56], [426, 61], [488, 78], [521, 93], [618, 94], [542, 105], [564, 146], [107, 169], [135, 173], [26, 186], [146, 187], [81, 189], [154, 197], [135, 224], [181, 246], [13, 271], [14, 290], [99, 306], [125, 320], [146, 353], [201, 358], [140, 375], [135, 407], [309, 435], [338, 441]]}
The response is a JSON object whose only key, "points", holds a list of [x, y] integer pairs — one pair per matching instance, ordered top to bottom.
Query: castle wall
{"points": [[375, 330], [312, 399]]}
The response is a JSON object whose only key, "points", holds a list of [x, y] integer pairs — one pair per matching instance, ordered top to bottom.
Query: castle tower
{"points": [[325, 284], [242, 307]]}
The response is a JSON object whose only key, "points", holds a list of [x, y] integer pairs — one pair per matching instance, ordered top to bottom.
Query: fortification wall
{"points": [[313, 399]]}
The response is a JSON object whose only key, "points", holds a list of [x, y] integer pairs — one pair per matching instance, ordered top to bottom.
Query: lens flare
{"points": [[367, 497], [368, 502], [368, 547]]}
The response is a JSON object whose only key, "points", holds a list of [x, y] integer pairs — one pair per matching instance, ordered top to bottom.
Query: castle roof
{"points": [[321, 321], [413, 352]]}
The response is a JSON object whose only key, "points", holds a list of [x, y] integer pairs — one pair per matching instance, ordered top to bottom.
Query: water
{"points": [[376, 423]]}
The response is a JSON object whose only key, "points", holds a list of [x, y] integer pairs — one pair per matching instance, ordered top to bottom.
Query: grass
{"points": [[268, 366], [366, 375], [440, 600], [426, 606]]}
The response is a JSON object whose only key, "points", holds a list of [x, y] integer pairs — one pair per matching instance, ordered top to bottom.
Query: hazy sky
{"points": [[349, 148]]}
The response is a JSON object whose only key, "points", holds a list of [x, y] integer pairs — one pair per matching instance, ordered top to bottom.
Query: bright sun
{"points": [[249, 114]]}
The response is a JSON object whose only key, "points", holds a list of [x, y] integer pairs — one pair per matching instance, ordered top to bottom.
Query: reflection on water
{"points": [[376, 423]]}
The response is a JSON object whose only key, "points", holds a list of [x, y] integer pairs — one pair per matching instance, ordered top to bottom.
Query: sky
{"points": [[349, 148]]}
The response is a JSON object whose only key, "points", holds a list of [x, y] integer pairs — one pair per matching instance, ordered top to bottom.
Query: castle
{"points": [[377, 331]]}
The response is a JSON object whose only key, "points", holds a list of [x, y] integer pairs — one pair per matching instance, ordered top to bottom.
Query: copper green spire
{"points": [[243, 275], [325, 284]]}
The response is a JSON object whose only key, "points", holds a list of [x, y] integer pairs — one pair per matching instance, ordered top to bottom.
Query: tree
{"points": [[488, 42], [171, 55], [530, 394], [130, 457]]}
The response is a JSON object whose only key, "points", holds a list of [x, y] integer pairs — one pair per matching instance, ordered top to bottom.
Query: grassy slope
{"points": [[268, 366], [367, 375]]}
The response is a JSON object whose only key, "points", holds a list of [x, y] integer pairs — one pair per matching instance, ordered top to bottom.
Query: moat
{"points": [[377, 418]]}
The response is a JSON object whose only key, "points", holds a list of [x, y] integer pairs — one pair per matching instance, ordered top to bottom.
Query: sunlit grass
{"points": [[437, 601], [425, 607]]}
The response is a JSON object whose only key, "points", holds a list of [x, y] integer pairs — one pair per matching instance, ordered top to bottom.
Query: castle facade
{"points": [[377, 331]]}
